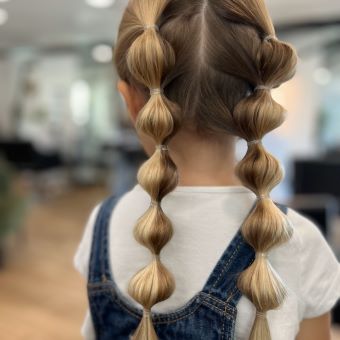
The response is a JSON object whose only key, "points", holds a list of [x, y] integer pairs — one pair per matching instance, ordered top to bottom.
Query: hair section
{"points": [[148, 59]]}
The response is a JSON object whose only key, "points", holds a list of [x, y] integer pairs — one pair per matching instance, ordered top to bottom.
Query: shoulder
{"points": [[133, 203], [126, 207], [305, 230], [309, 240], [82, 255], [318, 268]]}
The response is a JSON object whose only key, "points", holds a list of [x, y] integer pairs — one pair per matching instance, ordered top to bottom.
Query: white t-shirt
{"points": [[205, 219]]}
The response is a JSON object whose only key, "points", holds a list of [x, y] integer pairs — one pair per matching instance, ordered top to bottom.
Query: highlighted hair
{"points": [[149, 58], [208, 65]]}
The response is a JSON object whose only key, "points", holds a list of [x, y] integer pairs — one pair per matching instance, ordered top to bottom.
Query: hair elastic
{"points": [[150, 27], [270, 37], [263, 88], [156, 91], [254, 142], [162, 147], [263, 197], [154, 203], [261, 255], [147, 313], [262, 315]]}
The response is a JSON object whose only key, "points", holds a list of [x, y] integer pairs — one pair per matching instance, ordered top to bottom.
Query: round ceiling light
{"points": [[100, 3], [3, 16], [102, 53], [322, 76]]}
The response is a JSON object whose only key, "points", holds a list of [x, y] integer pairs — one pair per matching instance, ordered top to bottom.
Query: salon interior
{"points": [[66, 143]]}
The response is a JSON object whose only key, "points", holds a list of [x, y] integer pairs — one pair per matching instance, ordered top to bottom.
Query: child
{"points": [[198, 250]]}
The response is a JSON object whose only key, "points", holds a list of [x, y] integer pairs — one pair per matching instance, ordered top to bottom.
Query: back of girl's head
{"points": [[210, 66]]}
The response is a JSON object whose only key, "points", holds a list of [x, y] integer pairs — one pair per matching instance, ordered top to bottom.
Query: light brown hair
{"points": [[210, 65]]}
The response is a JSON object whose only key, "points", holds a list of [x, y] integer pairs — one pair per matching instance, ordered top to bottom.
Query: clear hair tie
{"points": [[151, 27], [270, 37], [263, 88], [156, 91], [254, 142], [162, 147], [263, 197], [154, 203], [261, 255], [147, 313], [262, 315]]}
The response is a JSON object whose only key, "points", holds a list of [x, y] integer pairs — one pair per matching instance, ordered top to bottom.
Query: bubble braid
{"points": [[149, 58]]}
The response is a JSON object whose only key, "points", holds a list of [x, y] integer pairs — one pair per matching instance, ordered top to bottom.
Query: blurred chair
{"points": [[23, 156], [317, 176], [317, 195], [11, 207], [322, 209]]}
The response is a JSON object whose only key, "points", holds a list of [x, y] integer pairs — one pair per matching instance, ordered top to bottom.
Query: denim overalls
{"points": [[209, 315]]}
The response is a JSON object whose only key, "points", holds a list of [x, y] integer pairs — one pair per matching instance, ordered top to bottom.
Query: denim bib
{"points": [[209, 315]]}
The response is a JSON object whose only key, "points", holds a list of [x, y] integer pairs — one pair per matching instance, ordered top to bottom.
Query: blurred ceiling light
{"points": [[4, 0], [100, 3], [3, 16], [102, 53], [322, 76], [80, 102]]}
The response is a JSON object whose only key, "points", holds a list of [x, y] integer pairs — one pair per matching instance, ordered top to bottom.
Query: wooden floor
{"points": [[41, 295]]}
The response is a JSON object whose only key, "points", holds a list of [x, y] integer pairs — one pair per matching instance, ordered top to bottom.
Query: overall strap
{"points": [[238, 256], [99, 269]]}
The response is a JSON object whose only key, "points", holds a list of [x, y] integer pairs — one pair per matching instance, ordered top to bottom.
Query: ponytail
{"points": [[149, 58], [267, 226]]}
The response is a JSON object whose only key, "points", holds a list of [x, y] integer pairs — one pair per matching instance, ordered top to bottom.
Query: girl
{"points": [[198, 250]]}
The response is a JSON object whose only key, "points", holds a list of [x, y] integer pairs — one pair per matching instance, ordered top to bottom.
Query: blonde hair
{"points": [[207, 65]]}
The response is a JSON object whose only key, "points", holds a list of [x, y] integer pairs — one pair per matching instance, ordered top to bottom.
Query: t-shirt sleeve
{"points": [[82, 256], [320, 272], [87, 330]]}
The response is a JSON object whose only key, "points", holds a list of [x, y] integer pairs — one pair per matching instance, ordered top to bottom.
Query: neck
{"points": [[204, 162]]}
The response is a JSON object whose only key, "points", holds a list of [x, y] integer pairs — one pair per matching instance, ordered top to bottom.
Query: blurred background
{"points": [[66, 143]]}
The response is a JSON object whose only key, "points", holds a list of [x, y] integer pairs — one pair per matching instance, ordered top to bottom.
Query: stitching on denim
{"points": [[96, 255], [104, 260], [227, 264], [225, 267], [92, 270], [110, 289], [231, 295], [221, 302], [120, 304], [215, 308], [220, 311], [179, 318], [167, 319], [161, 320], [223, 325], [232, 327], [231, 331], [224, 335]]}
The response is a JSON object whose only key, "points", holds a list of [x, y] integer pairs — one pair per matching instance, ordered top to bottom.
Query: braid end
{"points": [[260, 329], [145, 330]]}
